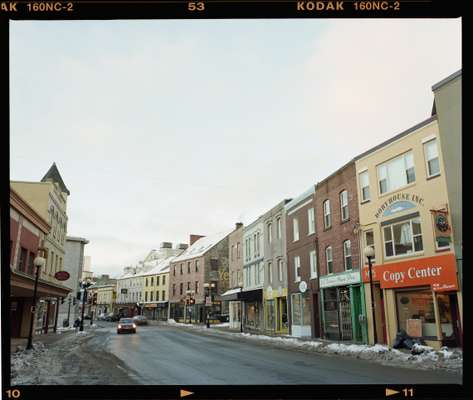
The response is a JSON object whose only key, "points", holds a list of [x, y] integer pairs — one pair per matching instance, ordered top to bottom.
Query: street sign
{"points": [[62, 275]]}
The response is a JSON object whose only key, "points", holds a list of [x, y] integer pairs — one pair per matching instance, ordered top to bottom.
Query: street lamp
{"points": [[369, 253], [38, 263], [84, 284], [207, 290]]}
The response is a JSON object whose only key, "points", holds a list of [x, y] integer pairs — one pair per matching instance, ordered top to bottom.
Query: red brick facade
{"points": [[340, 231]]}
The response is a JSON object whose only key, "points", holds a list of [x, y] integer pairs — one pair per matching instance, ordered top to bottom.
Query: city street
{"points": [[169, 355]]}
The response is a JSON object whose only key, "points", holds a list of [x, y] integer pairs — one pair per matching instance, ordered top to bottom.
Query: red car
{"points": [[126, 325]]}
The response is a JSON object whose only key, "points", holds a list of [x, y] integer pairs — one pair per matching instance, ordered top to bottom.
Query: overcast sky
{"points": [[165, 128]]}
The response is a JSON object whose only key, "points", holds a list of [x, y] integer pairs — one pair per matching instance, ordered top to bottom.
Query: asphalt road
{"points": [[165, 355]]}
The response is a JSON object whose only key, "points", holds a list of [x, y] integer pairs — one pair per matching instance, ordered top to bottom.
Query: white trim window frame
{"points": [[432, 160], [396, 173], [344, 212], [327, 214], [311, 221], [279, 227], [295, 229], [270, 232], [410, 233], [370, 242], [329, 259], [347, 260], [313, 264], [297, 267], [280, 270], [270, 272]]}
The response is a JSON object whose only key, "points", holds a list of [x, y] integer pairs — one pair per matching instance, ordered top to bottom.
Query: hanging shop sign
{"points": [[443, 230], [439, 272], [62, 275], [341, 279], [303, 286]]}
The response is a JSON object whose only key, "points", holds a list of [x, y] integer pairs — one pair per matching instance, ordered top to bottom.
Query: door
{"points": [[356, 303], [381, 311], [316, 316], [449, 320], [346, 328]]}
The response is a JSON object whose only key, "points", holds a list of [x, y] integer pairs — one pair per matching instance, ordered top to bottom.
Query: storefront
{"points": [[232, 297], [420, 297], [342, 307], [253, 311], [275, 311], [301, 312]]}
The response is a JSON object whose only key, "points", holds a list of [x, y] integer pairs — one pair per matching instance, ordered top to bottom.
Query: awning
{"points": [[232, 294], [251, 295]]}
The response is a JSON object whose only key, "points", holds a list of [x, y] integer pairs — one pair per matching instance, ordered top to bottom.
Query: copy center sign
{"points": [[440, 272]]}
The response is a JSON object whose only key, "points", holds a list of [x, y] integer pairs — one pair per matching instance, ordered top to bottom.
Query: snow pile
{"points": [[173, 322], [223, 325], [68, 328], [83, 333], [26, 359]]}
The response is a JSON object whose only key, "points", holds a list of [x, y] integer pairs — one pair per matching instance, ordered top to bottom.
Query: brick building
{"points": [[337, 224], [205, 261], [302, 272]]}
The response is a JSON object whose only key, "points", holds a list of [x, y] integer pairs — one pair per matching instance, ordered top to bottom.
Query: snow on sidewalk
{"points": [[425, 358]]}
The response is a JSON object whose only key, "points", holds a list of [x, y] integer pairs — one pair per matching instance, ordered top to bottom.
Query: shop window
{"points": [[432, 158], [396, 173], [364, 182], [344, 205], [327, 214], [403, 238], [347, 255], [22, 260], [31, 264], [416, 305], [296, 309], [270, 321]]}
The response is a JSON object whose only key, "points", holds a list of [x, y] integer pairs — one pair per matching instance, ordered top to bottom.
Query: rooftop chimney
{"points": [[238, 225], [194, 238], [166, 245], [182, 246]]}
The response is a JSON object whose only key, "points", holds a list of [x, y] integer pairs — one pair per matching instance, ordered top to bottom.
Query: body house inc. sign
{"points": [[399, 202], [439, 272]]}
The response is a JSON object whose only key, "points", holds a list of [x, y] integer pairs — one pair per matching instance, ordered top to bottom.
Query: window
{"points": [[432, 158], [396, 173], [364, 186], [344, 205], [327, 214], [311, 221], [278, 227], [295, 229], [270, 236], [403, 238], [369, 241], [258, 243], [255, 245], [238, 250], [233, 252], [347, 255], [329, 260], [30, 264], [313, 264], [196, 266], [189, 267], [297, 268], [181, 269], [174, 271], [280, 271], [259, 272], [270, 272], [157, 280], [164, 280], [152, 281], [146, 282], [188, 286], [196, 287], [181, 288], [173, 292], [163, 295], [146, 296], [151, 296], [417, 305]]}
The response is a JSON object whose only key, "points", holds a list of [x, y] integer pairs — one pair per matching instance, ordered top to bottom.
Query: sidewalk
{"points": [[17, 344]]}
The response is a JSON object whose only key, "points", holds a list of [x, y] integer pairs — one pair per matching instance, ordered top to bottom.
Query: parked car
{"points": [[140, 320], [126, 325]]}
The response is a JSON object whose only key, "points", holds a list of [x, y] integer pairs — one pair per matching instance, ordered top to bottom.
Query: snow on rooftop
{"points": [[202, 245], [159, 266]]}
